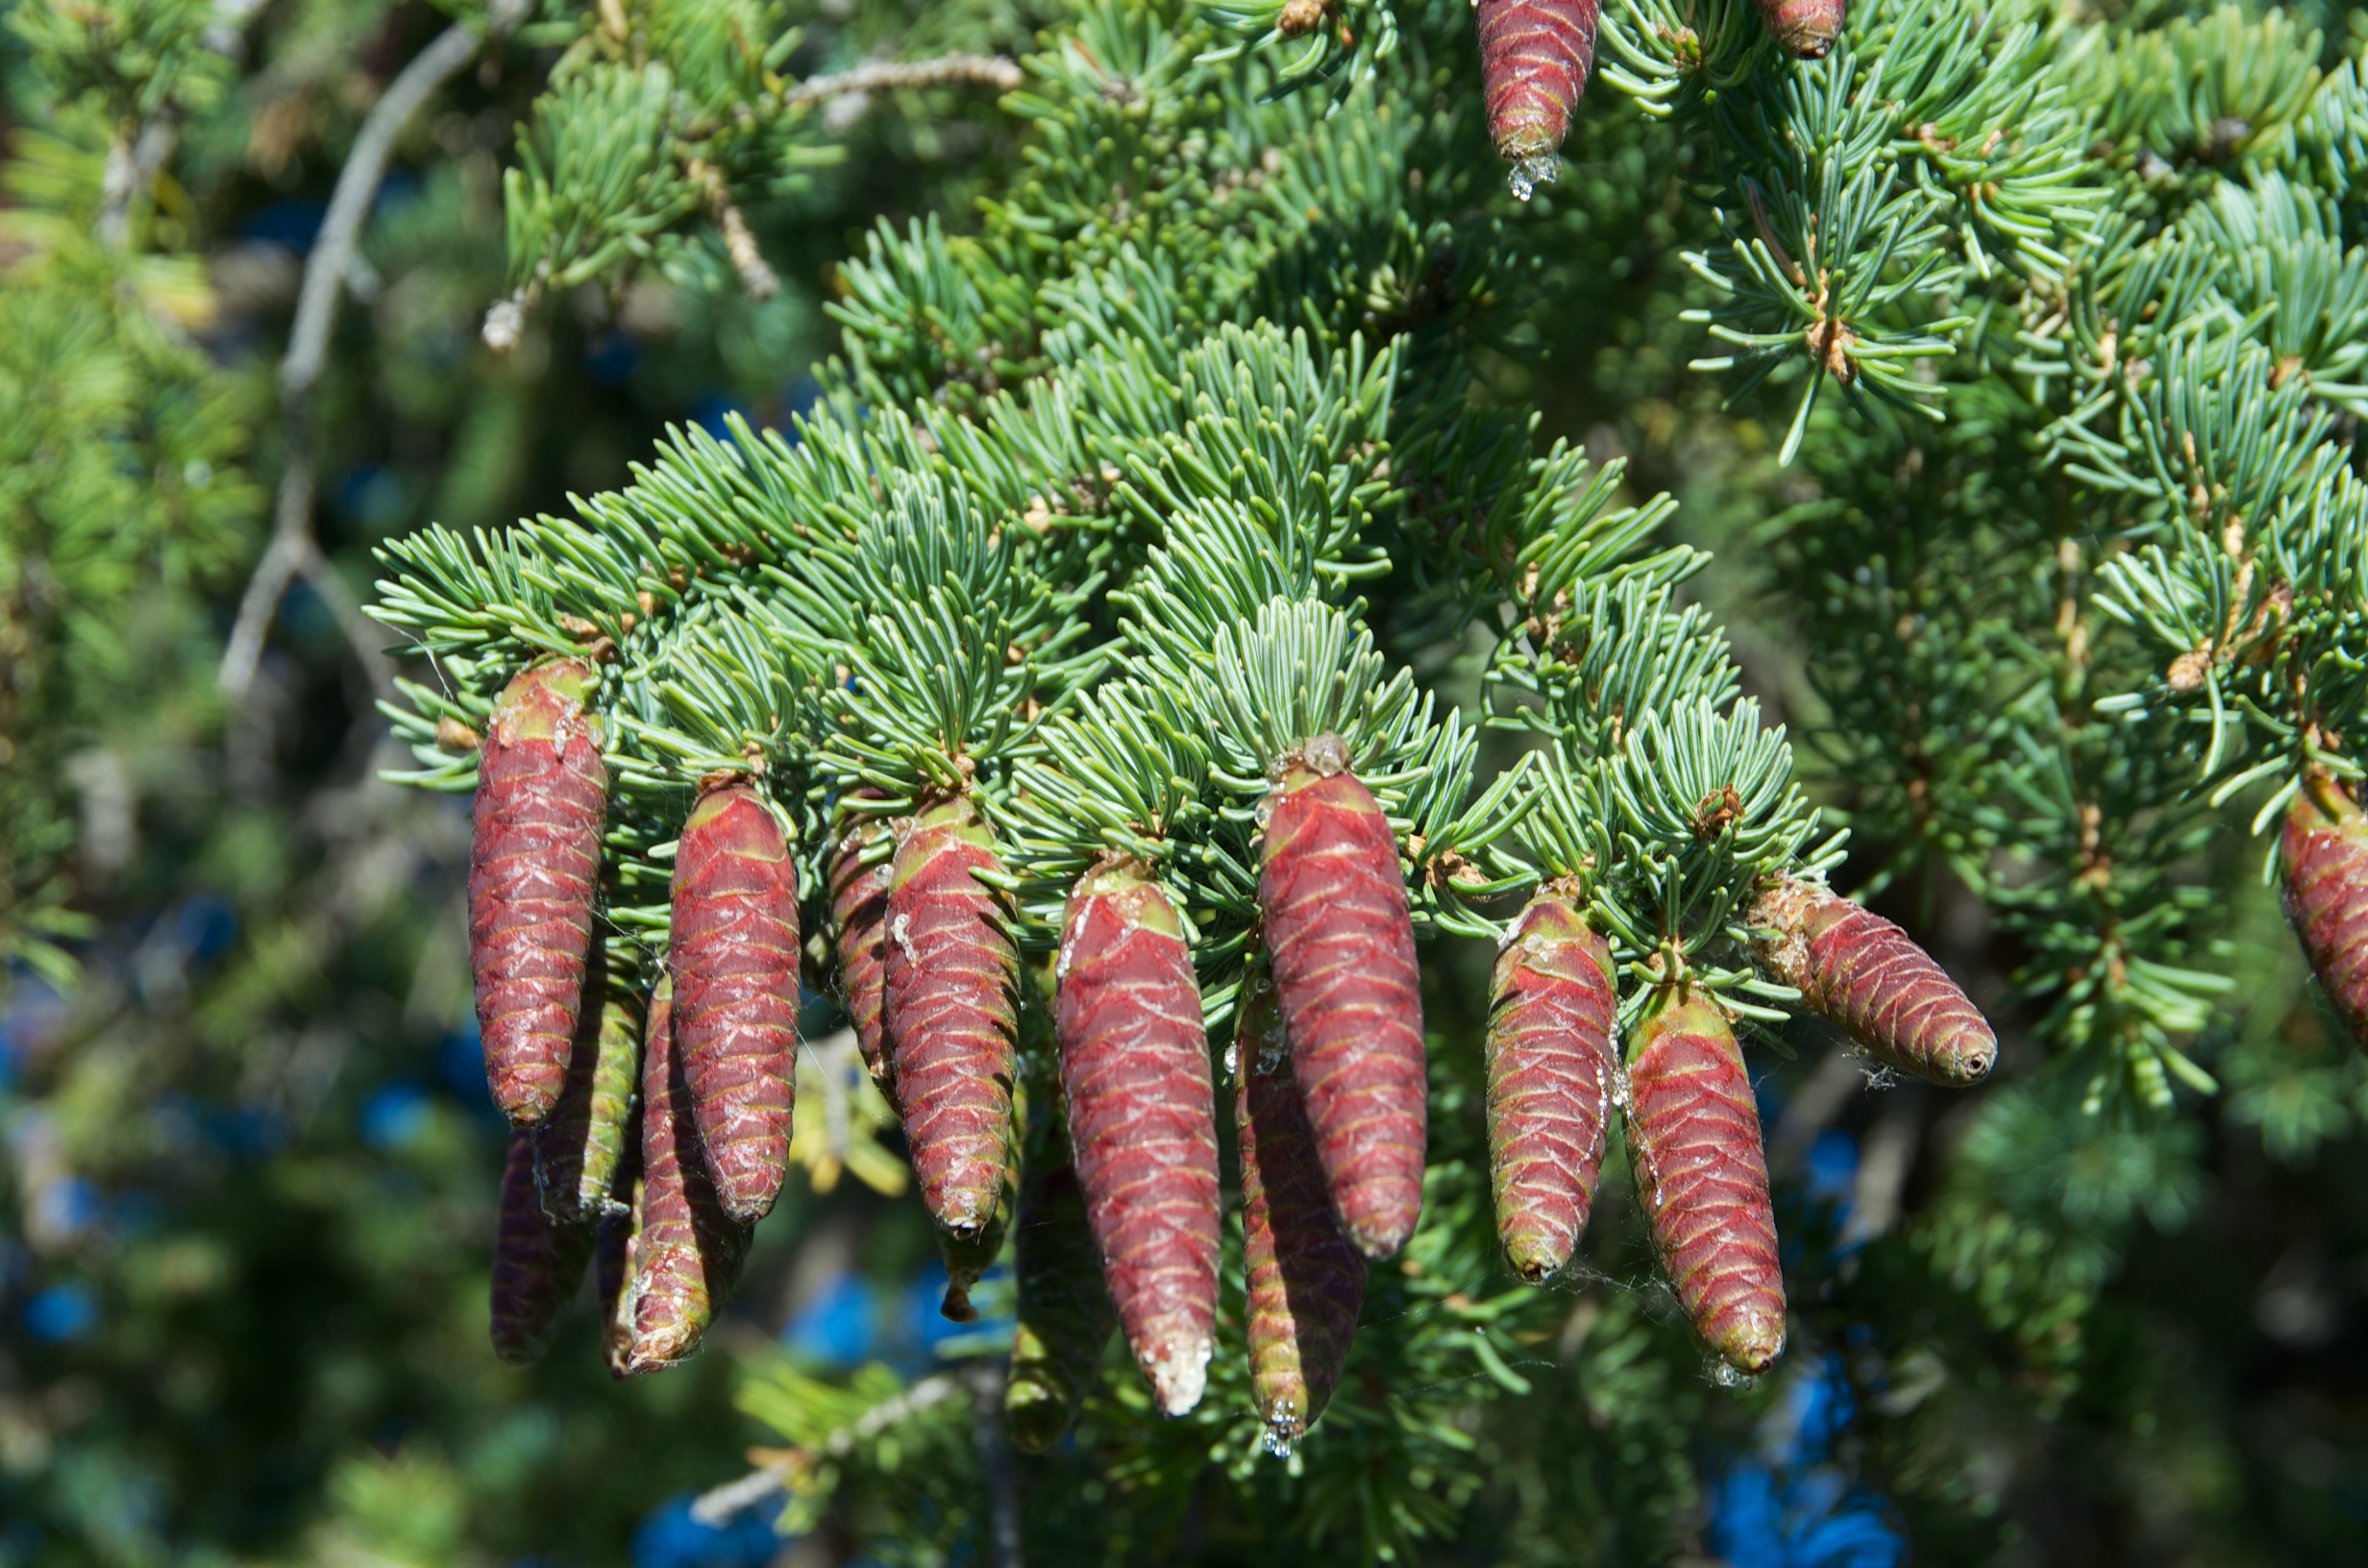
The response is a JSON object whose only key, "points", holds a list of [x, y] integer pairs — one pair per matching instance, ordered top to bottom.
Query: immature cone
{"points": [[1804, 28], [1534, 56], [541, 793], [2324, 850], [859, 921], [1341, 941], [732, 948], [1869, 979], [949, 1013], [1134, 1068], [1550, 1068], [1693, 1136], [580, 1146], [686, 1251], [536, 1262], [1305, 1282], [1065, 1315]]}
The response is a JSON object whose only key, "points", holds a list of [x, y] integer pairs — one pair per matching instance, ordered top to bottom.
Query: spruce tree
{"points": [[1254, 687]]}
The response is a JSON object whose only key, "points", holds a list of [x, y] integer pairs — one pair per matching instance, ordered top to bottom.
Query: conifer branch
{"points": [[896, 75], [294, 551]]}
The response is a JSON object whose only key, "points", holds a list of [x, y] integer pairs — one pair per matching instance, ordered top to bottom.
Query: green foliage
{"points": [[1200, 394]]}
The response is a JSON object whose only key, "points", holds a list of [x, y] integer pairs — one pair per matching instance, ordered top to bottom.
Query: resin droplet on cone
{"points": [[1535, 60], [542, 791], [2322, 850], [1340, 940], [732, 952], [1869, 979], [949, 1013], [1550, 1071], [1142, 1117], [1693, 1136], [1305, 1282], [1065, 1315]]}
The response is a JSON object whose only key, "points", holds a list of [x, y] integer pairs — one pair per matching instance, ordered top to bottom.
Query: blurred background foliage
{"points": [[249, 1161]]}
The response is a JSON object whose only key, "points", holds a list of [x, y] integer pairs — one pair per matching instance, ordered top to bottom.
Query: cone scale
{"points": [[1804, 28], [1535, 60], [542, 792], [2323, 848], [859, 924], [1340, 939], [732, 951], [1869, 979], [949, 1013], [1134, 1058], [1551, 1066], [1693, 1136], [580, 1145], [686, 1251], [537, 1262], [1305, 1280]]}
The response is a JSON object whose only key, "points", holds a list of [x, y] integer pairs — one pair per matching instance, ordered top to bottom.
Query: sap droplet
{"points": [[1529, 173], [1265, 813], [1233, 1061], [1727, 1375]]}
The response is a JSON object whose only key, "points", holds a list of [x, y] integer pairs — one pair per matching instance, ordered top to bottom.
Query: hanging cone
{"points": [[542, 792], [1342, 942], [1134, 1061], [1550, 1072]]}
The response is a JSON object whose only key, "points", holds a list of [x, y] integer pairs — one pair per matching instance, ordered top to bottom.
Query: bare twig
{"points": [[887, 76], [357, 186], [739, 244], [294, 551], [1885, 1161], [719, 1506]]}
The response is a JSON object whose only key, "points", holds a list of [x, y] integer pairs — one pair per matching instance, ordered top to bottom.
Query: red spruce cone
{"points": [[1804, 28], [1534, 58], [541, 793], [2324, 849], [859, 919], [1342, 942], [733, 953], [1869, 979], [949, 1013], [1551, 1068], [1135, 1069], [1693, 1135], [578, 1147], [687, 1252], [537, 1262], [1306, 1283], [1064, 1318]]}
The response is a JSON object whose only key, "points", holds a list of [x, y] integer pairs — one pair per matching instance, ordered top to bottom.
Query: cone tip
{"points": [[1179, 1377]]}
